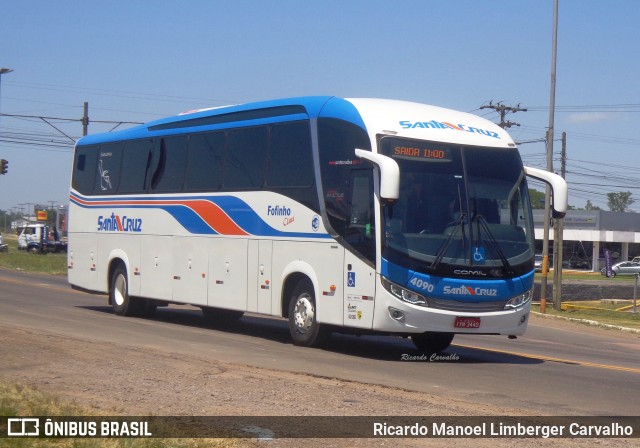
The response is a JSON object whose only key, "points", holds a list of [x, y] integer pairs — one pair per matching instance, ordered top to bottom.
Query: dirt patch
{"points": [[127, 380]]}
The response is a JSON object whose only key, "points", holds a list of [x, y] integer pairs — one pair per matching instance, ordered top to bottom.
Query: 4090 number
{"points": [[421, 284]]}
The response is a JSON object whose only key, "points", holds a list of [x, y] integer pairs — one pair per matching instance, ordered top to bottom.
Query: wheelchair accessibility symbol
{"points": [[478, 254], [351, 279]]}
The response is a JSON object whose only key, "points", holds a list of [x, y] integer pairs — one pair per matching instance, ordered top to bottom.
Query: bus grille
{"points": [[474, 307]]}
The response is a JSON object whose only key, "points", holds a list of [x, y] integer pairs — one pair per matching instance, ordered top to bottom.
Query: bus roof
{"points": [[401, 118]]}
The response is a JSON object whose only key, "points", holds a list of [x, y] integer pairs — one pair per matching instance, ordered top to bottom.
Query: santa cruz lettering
{"points": [[433, 124], [115, 223], [469, 291]]}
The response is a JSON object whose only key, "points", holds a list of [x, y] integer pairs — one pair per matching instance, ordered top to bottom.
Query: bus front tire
{"points": [[121, 302], [303, 325], [432, 342]]}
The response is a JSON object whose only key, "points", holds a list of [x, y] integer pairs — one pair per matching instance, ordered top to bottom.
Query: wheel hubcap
{"points": [[120, 290], [303, 313]]}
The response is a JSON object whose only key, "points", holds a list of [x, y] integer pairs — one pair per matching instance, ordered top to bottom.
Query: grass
{"points": [[20, 259], [581, 275], [605, 312], [17, 400]]}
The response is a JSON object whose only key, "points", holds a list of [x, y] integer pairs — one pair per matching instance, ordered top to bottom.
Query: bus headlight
{"points": [[403, 294], [519, 300]]}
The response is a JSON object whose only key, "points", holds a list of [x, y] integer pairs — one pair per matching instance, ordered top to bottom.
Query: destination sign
{"points": [[418, 150], [421, 153]]}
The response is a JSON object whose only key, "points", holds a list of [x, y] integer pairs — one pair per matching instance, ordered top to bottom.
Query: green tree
{"points": [[537, 198], [619, 202], [590, 206]]}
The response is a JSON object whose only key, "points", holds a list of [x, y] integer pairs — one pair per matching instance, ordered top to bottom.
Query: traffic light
{"points": [[4, 165]]}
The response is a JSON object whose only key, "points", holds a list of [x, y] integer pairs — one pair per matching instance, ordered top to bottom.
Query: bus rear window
{"points": [[84, 169]]}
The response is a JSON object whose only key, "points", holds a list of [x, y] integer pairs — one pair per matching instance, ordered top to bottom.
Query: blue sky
{"points": [[142, 60]]}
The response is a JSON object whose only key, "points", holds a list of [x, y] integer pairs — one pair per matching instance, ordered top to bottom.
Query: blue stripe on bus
{"points": [[464, 290]]}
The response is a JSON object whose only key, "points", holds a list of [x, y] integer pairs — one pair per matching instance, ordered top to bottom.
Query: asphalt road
{"points": [[556, 368]]}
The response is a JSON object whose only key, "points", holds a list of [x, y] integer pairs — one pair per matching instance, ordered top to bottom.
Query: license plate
{"points": [[467, 322]]}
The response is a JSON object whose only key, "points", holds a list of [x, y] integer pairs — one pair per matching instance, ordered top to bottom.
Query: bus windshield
{"points": [[459, 207]]}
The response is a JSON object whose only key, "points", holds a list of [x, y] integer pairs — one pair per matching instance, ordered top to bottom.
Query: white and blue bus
{"points": [[358, 215]]}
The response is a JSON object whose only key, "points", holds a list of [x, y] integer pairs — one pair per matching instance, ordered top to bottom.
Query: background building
{"points": [[588, 233]]}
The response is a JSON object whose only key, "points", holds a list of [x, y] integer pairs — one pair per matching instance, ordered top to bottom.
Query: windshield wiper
{"points": [[493, 243], [442, 250]]}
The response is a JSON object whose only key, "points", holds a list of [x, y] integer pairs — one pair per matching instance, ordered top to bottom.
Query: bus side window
{"points": [[337, 141], [135, 161], [205, 161], [290, 161], [244, 164], [108, 171], [169, 176], [360, 232]]}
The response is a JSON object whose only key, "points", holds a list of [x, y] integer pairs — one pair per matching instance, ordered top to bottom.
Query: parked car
{"points": [[3, 247], [537, 262], [579, 263], [623, 268]]}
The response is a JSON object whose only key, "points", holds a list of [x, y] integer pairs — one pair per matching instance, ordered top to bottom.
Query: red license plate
{"points": [[467, 322]]}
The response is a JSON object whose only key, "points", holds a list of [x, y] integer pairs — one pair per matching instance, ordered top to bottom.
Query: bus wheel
{"points": [[122, 303], [221, 316], [303, 326], [432, 342]]}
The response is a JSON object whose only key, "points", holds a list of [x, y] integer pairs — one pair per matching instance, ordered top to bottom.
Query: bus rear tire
{"points": [[121, 302], [303, 324], [432, 342]]}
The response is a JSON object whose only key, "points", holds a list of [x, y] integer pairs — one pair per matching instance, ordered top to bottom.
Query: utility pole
{"points": [[503, 111], [85, 119], [5, 162], [547, 206], [558, 240]]}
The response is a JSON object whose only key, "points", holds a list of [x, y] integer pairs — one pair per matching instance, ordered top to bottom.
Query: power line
{"points": [[623, 107], [84, 120]]}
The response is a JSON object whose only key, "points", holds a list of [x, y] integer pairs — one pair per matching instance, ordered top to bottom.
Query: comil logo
{"points": [[433, 124], [115, 223]]}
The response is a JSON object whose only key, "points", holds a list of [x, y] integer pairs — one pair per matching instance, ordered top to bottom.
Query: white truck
{"points": [[41, 238]]}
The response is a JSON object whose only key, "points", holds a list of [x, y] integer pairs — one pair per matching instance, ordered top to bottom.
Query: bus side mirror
{"points": [[389, 174], [558, 186]]}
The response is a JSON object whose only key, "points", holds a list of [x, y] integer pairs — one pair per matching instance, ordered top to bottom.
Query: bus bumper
{"points": [[396, 316]]}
